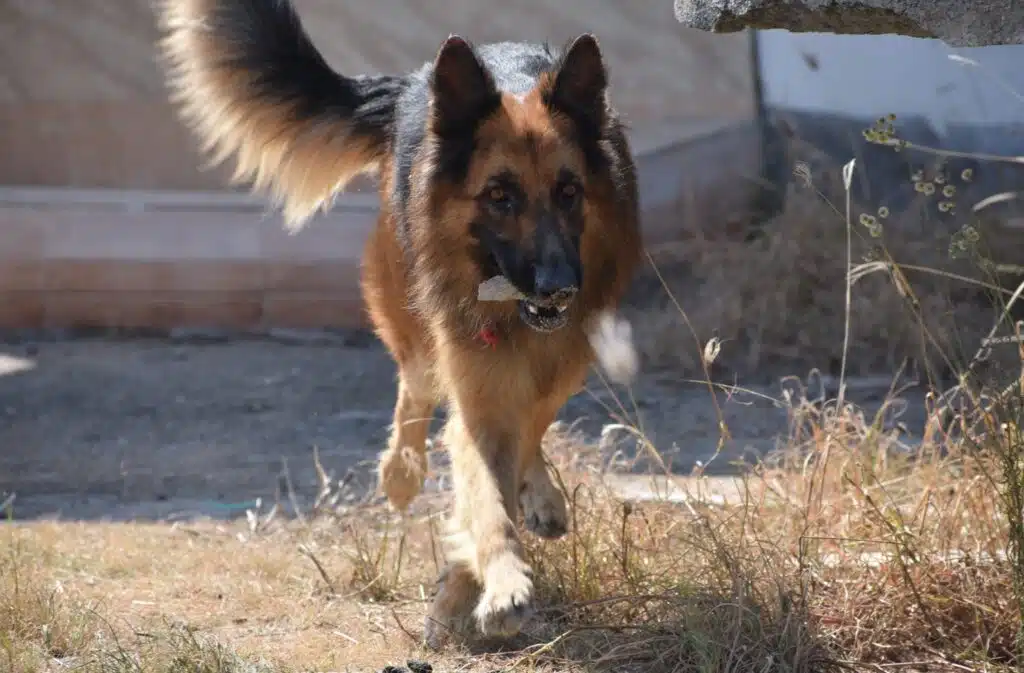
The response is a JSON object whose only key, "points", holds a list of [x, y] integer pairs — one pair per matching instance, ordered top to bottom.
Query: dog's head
{"points": [[520, 174]]}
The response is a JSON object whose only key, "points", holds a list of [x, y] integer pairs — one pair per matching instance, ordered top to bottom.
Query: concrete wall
{"points": [[870, 75], [829, 88], [83, 104], [162, 259]]}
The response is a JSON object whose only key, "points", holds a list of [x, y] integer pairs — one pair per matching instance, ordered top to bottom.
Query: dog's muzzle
{"points": [[548, 312]]}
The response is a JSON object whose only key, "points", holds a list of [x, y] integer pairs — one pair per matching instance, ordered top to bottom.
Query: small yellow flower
{"points": [[967, 174], [917, 176], [939, 179], [928, 188], [948, 191], [945, 206], [883, 212], [867, 220]]}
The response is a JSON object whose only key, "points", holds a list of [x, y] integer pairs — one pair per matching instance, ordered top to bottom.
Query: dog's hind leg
{"points": [[403, 465], [545, 513], [451, 615]]}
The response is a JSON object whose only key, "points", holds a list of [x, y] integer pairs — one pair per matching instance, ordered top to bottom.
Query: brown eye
{"points": [[568, 195], [500, 199]]}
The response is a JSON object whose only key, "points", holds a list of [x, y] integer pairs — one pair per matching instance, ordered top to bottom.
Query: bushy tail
{"points": [[249, 82]]}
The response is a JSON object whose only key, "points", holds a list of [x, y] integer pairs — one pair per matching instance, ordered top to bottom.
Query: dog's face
{"points": [[518, 168], [528, 186]]}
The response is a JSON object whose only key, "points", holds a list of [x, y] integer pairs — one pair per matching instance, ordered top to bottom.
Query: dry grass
{"points": [[777, 303], [848, 549], [841, 552], [135, 597]]}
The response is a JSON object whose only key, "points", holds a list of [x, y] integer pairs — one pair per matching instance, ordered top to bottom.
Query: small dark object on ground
{"points": [[414, 666]]}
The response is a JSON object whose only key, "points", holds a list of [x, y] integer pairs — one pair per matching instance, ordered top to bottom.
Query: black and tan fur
{"points": [[504, 158]]}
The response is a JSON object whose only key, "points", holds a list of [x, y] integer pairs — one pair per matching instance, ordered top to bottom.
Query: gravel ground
{"points": [[156, 428]]}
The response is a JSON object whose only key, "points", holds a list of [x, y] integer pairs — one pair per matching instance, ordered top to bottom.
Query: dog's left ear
{"points": [[580, 83]]}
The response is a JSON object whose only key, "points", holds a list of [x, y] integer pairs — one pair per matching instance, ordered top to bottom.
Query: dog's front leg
{"points": [[488, 577]]}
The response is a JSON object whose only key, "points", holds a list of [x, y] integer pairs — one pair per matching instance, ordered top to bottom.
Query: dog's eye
{"points": [[568, 194], [500, 199]]}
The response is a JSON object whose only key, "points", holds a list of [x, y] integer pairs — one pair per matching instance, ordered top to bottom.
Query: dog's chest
{"points": [[557, 362]]}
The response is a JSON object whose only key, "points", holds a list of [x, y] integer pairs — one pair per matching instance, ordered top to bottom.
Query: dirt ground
{"points": [[163, 428]]}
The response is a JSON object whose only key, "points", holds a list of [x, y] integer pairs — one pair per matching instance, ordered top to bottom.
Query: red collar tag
{"points": [[489, 337]]}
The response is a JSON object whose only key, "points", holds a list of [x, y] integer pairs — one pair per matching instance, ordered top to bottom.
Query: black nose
{"points": [[557, 270], [554, 280]]}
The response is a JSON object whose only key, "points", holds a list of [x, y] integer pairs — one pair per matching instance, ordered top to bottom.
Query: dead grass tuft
{"points": [[777, 303], [841, 549], [902, 549], [662, 587], [38, 621], [45, 626]]}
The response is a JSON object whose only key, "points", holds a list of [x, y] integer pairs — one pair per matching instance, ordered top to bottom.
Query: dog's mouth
{"points": [[545, 312], [546, 315]]}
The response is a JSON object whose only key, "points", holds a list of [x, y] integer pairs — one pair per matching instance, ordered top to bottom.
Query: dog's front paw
{"points": [[401, 474], [507, 601]]}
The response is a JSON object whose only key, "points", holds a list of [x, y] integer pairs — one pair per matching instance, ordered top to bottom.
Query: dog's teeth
{"points": [[531, 308], [561, 309]]}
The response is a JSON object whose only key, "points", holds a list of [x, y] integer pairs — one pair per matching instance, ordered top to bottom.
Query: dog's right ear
{"points": [[463, 89]]}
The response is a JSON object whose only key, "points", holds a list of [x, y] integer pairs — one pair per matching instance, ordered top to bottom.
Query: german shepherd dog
{"points": [[500, 159]]}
